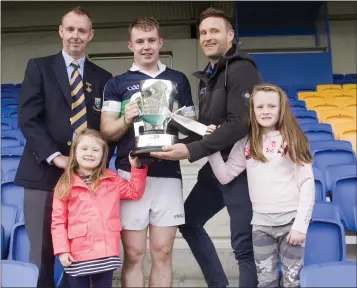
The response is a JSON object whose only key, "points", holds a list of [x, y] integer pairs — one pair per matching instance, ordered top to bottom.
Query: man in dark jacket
{"points": [[224, 91]]}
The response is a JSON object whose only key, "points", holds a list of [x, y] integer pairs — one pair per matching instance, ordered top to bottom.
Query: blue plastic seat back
{"points": [[297, 103], [305, 114], [303, 121], [13, 122], [318, 131], [15, 133], [9, 142], [12, 151], [333, 152], [9, 163], [332, 172], [320, 185], [13, 195], [344, 196], [8, 220], [325, 239], [20, 244], [3, 255], [18, 274], [331, 274]]}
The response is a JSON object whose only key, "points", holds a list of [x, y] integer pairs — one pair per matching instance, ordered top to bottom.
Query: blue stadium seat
{"points": [[351, 76], [7, 86], [7, 100], [297, 103], [297, 109], [305, 114], [11, 121], [302, 121], [5, 126], [318, 131], [16, 133], [9, 142], [12, 151], [333, 152], [9, 163], [112, 164], [335, 171], [320, 185], [13, 195], [344, 196], [355, 213], [8, 219], [325, 239], [19, 243], [3, 252], [18, 274], [330, 274], [58, 277]]}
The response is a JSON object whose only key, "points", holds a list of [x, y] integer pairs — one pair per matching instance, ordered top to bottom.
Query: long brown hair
{"points": [[297, 143], [64, 185]]}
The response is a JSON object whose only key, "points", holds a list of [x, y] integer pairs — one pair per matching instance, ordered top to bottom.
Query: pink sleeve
{"points": [[227, 171], [305, 181], [133, 189], [59, 226]]}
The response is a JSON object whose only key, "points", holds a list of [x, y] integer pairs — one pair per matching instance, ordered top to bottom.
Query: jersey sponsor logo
{"points": [[133, 87], [203, 91]]}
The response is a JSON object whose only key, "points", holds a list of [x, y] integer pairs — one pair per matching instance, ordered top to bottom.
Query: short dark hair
{"points": [[78, 11], [212, 12], [144, 24]]}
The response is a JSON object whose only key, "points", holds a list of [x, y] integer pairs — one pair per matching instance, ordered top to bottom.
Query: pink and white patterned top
{"points": [[277, 186]]}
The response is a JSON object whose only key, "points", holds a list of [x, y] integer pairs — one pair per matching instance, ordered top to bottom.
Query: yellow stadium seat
{"points": [[351, 86], [324, 87], [352, 92], [303, 95], [343, 97], [312, 102], [345, 103], [325, 106], [351, 107], [336, 115], [338, 128], [350, 135]]}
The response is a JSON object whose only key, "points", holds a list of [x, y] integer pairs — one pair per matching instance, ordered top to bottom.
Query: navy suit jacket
{"points": [[44, 113]]}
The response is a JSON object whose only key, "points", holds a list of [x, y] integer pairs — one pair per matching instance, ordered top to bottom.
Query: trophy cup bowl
{"points": [[156, 98]]}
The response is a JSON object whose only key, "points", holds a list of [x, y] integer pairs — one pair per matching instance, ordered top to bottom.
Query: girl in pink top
{"points": [[281, 184], [86, 222]]}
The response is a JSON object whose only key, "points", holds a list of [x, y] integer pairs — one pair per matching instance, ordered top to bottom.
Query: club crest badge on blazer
{"points": [[97, 104]]}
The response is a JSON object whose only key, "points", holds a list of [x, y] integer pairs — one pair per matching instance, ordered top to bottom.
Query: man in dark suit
{"points": [[60, 96]]}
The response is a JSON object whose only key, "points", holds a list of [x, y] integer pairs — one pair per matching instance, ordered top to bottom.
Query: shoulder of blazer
{"points": [[97, 68]]}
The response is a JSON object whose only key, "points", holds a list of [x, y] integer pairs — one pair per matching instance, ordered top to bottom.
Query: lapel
{"points": [[60, 70], [88, 79]]}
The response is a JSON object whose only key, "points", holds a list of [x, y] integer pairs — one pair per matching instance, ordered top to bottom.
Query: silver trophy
{"points": [[156, 102], [157, 109]]}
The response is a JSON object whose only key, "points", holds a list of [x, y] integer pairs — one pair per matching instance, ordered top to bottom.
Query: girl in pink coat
{"points": [[86, 223]]}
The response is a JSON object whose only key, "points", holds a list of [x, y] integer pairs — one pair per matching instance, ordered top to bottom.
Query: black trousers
{"points": [[206, 199], [38, 217], [100, 280]]}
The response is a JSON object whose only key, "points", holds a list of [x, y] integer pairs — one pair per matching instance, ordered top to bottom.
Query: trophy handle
{"points": [[135, 97]]}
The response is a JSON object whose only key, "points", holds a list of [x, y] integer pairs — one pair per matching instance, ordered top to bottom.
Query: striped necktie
{"points": [[79, 117]]}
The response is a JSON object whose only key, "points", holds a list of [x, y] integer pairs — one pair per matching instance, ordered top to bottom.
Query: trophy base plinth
{"points": [[145, 144], [145, 151]]}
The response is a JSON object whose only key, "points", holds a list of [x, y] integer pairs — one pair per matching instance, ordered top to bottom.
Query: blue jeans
{"points": [[206, 199], [100, 280]]}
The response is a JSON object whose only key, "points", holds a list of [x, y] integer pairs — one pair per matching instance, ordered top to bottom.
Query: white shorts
{"points": [[161, 205]]}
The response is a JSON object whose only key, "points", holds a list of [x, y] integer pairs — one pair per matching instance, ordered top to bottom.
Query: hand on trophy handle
{"points": [[131, 111]]}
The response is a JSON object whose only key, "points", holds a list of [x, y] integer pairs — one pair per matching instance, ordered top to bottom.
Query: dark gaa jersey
{"points": [[117, 94]]}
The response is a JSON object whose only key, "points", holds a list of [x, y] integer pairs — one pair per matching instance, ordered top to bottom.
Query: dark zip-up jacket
{"points": [[224, 102]]}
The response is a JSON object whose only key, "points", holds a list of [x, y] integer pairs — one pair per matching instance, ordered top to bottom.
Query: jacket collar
{"points": [[78, 182]]}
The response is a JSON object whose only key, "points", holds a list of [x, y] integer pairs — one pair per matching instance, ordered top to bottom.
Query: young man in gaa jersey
{"points": [[161, 208]]}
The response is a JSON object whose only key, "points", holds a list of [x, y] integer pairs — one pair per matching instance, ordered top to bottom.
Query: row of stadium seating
{"points": [[344, 79], [337, 182]]}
